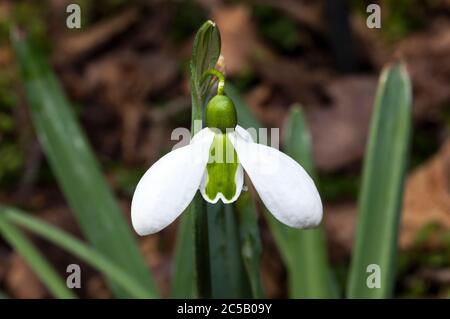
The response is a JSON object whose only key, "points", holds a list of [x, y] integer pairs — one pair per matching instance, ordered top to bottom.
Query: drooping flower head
{"points": [[214, 163]]}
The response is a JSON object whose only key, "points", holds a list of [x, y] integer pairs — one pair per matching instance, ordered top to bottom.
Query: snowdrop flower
{"points": [[214, 163]]}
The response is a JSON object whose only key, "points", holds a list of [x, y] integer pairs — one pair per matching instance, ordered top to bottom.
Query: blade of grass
{"points": [[75, 166], [382, 186], [71, 244], [304, 251], [35, 260], [191, 273]]}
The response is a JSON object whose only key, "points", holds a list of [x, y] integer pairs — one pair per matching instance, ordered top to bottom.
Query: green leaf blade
{"points": [[75, 167], [382, 187], [250, 243], [79, 249], [304, 251], [35, 260], [228, 276], [184, 283]]}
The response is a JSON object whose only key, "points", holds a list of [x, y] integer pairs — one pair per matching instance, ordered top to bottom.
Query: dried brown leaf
{"points": [[427, 196]]}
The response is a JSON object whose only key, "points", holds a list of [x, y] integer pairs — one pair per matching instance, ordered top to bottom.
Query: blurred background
{"points": [[126, 71]]}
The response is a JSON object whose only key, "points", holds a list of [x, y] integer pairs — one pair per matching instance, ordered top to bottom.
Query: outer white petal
{"points": [[244, 134], [239, 180], [169, 185], [283, 185]]}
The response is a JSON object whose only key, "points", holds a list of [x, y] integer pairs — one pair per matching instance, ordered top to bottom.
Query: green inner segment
{"points": [[221, 170]]}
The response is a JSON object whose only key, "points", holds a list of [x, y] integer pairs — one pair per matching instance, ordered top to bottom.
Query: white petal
{"points": [[244, 134], [238, 179], [169, 185], [283, 185]]}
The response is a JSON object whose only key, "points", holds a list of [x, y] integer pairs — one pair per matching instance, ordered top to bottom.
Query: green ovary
{"points": [[222, 168]]}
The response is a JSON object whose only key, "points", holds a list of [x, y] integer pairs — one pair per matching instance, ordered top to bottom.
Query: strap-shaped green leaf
{"points": [[75, 167], [382, 188], [250, 243], [304, 251], [86, 253], [34, 258], [228, 275], [184, 283]]}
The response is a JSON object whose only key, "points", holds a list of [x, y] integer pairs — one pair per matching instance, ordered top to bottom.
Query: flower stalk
{"points": [[220, 77]]}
